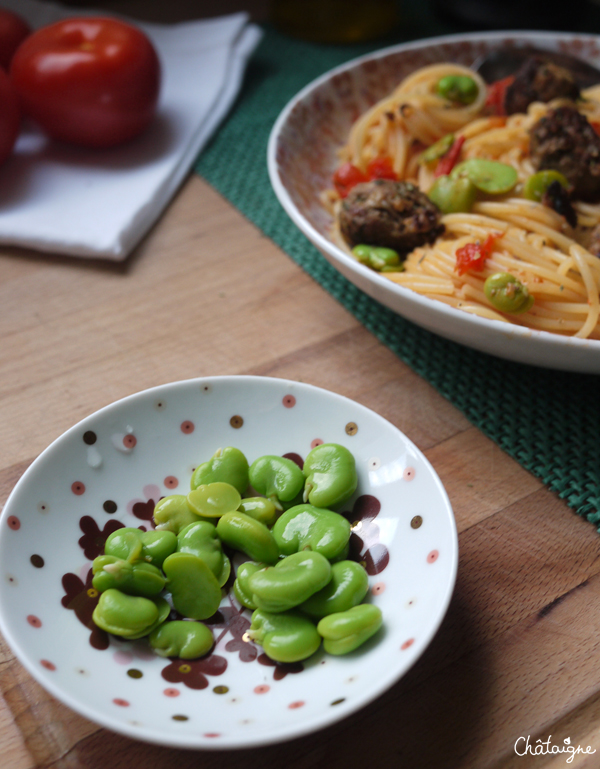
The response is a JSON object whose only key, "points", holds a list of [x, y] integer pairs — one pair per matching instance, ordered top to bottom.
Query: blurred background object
{"points": [[512, 14], [335, 21], [354, 22]]}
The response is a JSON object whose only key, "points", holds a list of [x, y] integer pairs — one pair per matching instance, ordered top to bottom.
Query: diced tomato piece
{"points": [[496, 93], [448, 161], [381, 168], [346, 177], [472, 256]]}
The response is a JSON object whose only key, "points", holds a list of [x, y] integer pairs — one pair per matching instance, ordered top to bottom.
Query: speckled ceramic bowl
{"points": [[302, 158], [111, 468]]}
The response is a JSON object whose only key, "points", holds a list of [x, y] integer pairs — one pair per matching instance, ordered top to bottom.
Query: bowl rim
{"points": [[363, 274], [195, 740]]}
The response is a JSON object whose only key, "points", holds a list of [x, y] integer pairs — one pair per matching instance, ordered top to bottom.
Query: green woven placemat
{"points": [[548, 421]]}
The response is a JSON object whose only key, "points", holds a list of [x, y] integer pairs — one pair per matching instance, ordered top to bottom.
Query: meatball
{"points": [[539, 80], [565, 141], [391, 214]]}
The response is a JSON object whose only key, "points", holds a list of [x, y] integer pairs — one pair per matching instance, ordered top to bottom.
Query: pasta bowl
{"points": [[302, 156], [109, 470]]}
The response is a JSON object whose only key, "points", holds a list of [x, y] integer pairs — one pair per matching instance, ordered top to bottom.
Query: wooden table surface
{"points": [[207, 294]]}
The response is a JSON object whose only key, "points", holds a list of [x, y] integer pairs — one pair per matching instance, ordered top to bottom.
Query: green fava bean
{"points": [[460, 89], [437, 150], [487, 175], [537, 184], [453, 196], [362, 252], [378, 258], [507, 294], [228, 465], [331, 477], [278, 478], [214, 499], [297, 500], [260, 508], [173, 514], [308, 527], [246, 534], [201, 539], [125, 543], [136, 545], [157, 545], [342, 555], [139, 578], [290, 582], [347, 587], [194, 588], [241, 589], [164, 609], [127, 616], [345, 631], [288, 637], [183, 639]]}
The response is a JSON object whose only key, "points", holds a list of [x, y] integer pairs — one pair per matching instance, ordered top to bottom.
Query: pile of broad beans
{"points": [[295, 573]]}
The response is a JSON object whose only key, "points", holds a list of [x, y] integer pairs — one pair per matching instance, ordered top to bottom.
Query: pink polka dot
{"points": [[289, 401], [187, 427], [129, 441], [316, 442], [409, 473], [171, 482], [78, 488], [13, 523], [433, 556], [378, 588], [34, 621], [407, 644], [123, 658], [48, 665], [262, 689], [171, 692], [121, 703], [297, 704], [212, 734]]}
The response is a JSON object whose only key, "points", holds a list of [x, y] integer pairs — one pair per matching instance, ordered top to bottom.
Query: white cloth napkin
{"points": [[69, 200]]}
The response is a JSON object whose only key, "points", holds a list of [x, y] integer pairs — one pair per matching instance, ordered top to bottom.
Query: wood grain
{"points": [[207, 294]]}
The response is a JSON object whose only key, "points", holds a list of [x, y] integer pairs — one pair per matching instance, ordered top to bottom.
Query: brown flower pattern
{"points": [[144, 511], [94, 539], [365, 546], [82, 598], [229, 619], [282, 669], [192, 673]]}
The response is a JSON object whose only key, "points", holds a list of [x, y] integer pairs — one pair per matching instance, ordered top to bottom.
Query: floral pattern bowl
{"points": [[302, 156], [109, 471]]}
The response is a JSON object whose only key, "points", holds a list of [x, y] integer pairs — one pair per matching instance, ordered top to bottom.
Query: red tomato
{"points": [[13, 30], [91, 81], [496, 93], [10, 116], [449, 160], [381, 168], [346, 177], [472, 256]]}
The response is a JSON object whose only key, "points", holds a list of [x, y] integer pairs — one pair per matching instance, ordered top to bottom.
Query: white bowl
{"points": [[302, 158], [112, 467]]}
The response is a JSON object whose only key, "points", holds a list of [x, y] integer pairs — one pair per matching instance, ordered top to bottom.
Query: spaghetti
{"points": [[531, 241]]}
